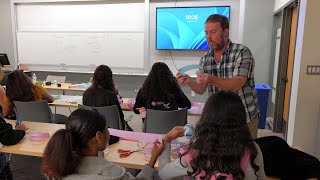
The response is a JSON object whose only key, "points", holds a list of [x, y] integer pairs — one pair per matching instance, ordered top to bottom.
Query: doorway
{"points": [[284, 43]]}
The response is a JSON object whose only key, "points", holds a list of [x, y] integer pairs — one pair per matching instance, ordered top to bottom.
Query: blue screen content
{"points": [[183, 28]]}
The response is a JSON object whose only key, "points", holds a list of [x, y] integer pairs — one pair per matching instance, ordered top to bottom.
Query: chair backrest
{"points": [[60, 79], [37, 111], [111, 114], [161, 122]]}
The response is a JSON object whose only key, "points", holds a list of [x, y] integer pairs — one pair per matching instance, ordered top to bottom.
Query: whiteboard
{"points": [[80, 16], [74, 35], [119, 50]]}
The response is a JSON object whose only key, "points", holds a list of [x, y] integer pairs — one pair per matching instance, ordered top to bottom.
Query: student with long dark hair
{"points": [[19, 87], [160, 91], [102, 92], [221, 146], [72, 153]]}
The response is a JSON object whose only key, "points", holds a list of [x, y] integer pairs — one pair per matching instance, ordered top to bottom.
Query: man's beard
{"points": [[216, 47]]}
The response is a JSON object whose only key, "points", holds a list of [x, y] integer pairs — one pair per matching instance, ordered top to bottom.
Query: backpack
{"points": [[190, 155]]}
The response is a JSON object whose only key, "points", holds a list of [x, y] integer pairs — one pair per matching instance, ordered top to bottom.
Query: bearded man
{"points": [[227, 67]]}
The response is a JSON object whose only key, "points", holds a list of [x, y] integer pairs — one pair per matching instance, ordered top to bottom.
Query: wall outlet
{"points": [[313, 70], [136, 90], [193, 94]]}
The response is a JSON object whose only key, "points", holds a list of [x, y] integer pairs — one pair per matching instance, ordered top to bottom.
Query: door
{"points": [[290, 65], [284, 68]]}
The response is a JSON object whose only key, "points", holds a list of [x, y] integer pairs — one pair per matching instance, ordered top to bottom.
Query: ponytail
{"points": [[61, 156]]}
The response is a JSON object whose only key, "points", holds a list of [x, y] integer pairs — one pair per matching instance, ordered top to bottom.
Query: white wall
{"points": [[278, 4], [256, 12], [257, 35], [6, 42], [304, 113]]}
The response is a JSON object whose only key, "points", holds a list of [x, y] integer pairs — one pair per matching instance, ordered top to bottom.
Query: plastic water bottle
{"points": [[34, 78], [18, 121]]}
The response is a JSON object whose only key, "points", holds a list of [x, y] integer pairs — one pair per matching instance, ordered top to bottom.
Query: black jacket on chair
{"points": [[282, 161]]}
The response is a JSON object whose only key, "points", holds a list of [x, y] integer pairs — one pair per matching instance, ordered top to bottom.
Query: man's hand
{"points": [[204, 78], [183, 79]]}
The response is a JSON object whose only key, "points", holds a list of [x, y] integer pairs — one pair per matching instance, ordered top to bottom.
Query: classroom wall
{"points": [[278, 4], [257, 35], [250, 38], [6, 42], [304, 113]]}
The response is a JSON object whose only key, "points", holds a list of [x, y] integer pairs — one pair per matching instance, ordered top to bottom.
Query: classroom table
{"points": [[64, 87], [73, 101], [136, 160]]}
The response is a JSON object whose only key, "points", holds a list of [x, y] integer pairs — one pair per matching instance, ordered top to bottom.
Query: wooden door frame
{"points": [[278, 125]]}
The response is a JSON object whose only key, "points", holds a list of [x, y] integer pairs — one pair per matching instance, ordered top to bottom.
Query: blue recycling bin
{"points": [[263, 97]]}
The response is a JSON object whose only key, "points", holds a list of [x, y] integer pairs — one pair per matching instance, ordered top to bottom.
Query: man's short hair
{"points": [[223, 20]]}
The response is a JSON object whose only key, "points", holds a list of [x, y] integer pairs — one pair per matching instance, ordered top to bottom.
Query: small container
{"points": [[39, 136]]}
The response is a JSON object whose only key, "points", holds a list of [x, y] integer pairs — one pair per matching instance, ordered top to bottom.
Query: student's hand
{"points": [[203, 78], [183, 79], [142, 109], [142, 112], [21, 127], [174, 134], [158, 147]]}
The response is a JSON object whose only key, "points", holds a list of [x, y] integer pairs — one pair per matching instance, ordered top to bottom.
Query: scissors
{"points": [[126, 152]]}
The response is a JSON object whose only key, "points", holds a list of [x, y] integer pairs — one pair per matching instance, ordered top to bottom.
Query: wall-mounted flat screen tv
{"points": [[182, 28]]}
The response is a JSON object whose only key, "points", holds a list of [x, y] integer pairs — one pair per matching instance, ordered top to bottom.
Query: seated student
{"points": [[19, 87], [2, 91], [160, 91], [102, 92], [9, 136], [221, 147], [72, 153]]}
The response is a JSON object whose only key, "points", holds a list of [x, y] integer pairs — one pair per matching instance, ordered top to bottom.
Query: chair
{"points": [[60, 79], [37, 111], [111, 114], [161, 122]]}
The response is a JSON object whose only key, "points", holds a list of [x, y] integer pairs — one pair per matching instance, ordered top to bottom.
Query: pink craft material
{"points": [[197, 104], [130, 105], [39, 136], [129, 139]]}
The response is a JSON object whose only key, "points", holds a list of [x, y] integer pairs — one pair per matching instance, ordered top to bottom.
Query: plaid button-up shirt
{"points": [[237, 60]]}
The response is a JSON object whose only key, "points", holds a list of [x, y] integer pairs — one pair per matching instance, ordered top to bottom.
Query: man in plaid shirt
{"points": [[228, 66]]}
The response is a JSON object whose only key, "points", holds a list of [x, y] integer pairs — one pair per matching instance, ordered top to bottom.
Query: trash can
{"points": [[263, 97]]}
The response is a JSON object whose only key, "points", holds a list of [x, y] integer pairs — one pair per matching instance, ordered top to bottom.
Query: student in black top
{"points": [[160, 91], [102, 92], [9, 136]]}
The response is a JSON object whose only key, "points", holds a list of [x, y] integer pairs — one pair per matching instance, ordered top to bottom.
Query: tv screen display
{"points": [[182, 28]]}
